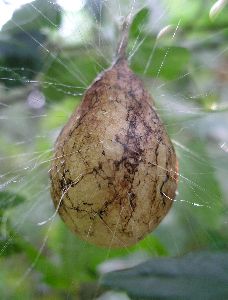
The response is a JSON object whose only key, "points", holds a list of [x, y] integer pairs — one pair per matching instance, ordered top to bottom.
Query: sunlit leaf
{"points": [[34, 16], [139, 22], [22, 41]]}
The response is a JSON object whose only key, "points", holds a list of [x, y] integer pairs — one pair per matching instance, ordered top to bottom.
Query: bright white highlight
{"points": [[71, 5], [217, 8], [7, 9], [164, 31]]}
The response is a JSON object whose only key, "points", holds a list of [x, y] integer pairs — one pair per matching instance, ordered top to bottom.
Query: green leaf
{"points": [[194, 15], [34, 16], [139, 21], [22, 39], [20, 44], [21, 57], [167, 62], [70, 76], [58, 115], [10, 199], [199, 202], [198, 210], [13, 243], [8, 247], [87, 256], [50, 271], [194, 276]]}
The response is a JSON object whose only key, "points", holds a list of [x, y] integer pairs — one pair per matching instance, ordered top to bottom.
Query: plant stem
{"points": [[121, 49]]}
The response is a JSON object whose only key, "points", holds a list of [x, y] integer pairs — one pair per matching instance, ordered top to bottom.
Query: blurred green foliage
{"points": [[187, 75], [194, 276]]}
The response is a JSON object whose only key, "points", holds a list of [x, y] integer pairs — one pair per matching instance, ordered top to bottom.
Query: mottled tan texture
{"points": [[114, 173]]}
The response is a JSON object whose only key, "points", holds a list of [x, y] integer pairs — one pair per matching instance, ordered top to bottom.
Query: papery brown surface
{"points": [[114, 173]]}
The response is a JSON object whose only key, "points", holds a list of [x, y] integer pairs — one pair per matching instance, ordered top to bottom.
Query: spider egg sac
{"points": [[114, 172]]}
